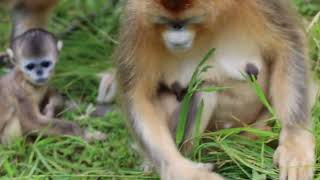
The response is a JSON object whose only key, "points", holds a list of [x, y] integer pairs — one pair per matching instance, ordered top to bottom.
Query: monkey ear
{"points": [[59, 45], [10, 53]]}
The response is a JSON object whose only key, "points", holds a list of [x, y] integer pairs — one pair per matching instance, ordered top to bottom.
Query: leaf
{"points": [[195, 82], [212, 89], [183, 119], [257, 176]]}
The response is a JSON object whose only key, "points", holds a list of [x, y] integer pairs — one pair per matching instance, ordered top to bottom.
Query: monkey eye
{"points": [[161, 20], [45, 64], [30, 66]]}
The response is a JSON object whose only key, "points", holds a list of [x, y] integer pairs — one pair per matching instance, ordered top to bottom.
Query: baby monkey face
{"points": [[35, 54], [38, 71]]}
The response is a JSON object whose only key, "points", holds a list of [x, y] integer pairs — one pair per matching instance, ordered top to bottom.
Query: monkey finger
{"points": [[276, 157], [281, 161], [205, 166], [283, 172], [293, 173], [305, 173], [213, 176]]}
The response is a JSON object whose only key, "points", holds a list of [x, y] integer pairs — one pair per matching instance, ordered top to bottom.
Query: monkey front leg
{"points": [[289, 91], [151, 128]]}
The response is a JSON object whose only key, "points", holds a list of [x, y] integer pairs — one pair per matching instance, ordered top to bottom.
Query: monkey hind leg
{"points": [[39, 5], [28, 14], [107, 89], [107, 93], [262, 123], [61, 127], [195, 127], [11, 131]]}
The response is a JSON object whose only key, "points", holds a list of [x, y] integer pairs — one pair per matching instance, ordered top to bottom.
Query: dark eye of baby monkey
{"points": [[42, 64], [46, 64], [30, 66]]}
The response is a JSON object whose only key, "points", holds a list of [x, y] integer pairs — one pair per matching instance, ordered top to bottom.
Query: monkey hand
{"points": [[49, 112], [94, 136], [295, 156], [188, 170]]}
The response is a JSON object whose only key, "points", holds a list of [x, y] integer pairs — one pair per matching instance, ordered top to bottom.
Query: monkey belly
{"points": [[238, 106]]}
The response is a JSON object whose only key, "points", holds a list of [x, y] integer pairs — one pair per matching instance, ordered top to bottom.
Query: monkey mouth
{"points": [[179, 48], [41, 81]]}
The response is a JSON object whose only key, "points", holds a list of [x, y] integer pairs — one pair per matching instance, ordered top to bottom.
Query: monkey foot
{"points": [[102, 109], [95, 136], [295, 158], [187, 170]]}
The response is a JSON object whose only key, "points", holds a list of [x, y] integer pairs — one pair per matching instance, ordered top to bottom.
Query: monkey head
{"points": [[182, 22], [35, 53]]}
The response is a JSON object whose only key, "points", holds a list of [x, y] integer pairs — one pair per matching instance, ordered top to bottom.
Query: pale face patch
{"points": [[178, 40], [38, 71]]}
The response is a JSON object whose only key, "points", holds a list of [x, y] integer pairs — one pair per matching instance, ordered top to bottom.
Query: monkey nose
{"points": [[39, 72]]}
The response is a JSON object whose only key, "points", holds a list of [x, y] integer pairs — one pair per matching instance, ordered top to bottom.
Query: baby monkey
{"points": [[23, 90]]}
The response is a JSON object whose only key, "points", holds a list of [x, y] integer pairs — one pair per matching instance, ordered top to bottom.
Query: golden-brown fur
{"points": [[264, 33]]}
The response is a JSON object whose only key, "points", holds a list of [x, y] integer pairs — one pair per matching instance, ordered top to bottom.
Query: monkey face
{"points": [[184, 24], [179, 29], [178, 34], [38, 71]]}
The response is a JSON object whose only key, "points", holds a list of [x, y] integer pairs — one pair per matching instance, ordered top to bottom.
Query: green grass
{"points": [[87, 52]]}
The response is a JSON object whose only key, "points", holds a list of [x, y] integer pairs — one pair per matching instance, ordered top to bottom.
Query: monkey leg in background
{"points": [[27, 14], [107, 93]]}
